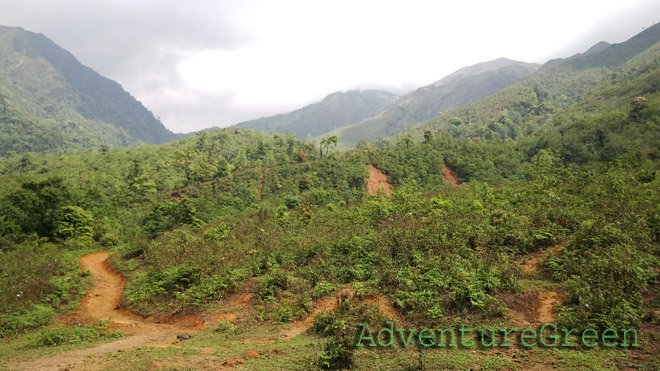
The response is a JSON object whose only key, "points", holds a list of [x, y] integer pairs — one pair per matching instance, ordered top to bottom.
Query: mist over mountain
{"points": [[537, 205]]}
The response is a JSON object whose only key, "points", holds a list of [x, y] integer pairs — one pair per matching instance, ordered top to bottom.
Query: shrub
{"points": [[607, 277], [34, 316]]}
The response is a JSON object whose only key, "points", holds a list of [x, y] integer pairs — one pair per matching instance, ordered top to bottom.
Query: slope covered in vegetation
{"points": [[467, 85], [48, 100]]}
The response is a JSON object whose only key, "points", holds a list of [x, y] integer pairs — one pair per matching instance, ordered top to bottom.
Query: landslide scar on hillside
{"points": [[376, 180]]}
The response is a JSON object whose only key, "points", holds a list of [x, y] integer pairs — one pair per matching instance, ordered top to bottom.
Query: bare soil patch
{"points": [[449, 177], [377, 181], [261, 182]]}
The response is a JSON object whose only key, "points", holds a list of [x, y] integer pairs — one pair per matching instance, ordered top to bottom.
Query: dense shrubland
{"points": [[188, 227]]}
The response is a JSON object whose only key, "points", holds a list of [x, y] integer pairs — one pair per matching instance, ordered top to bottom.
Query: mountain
{"points": [[597, 48], [564, 85], [464, 86], [49, 100], [334, 111]]}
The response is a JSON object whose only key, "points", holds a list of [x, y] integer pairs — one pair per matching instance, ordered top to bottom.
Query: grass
{"points": [[30, 346], [210, 349]]}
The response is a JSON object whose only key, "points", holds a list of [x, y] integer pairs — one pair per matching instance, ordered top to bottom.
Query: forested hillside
{"points": [[467, 85], [592, 93], [48, 100]]}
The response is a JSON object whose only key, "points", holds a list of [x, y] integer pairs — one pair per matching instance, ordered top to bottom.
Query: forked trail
{"points": [[103, 303]]}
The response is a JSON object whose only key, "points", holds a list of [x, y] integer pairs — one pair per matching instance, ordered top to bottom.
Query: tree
{"points": [[638, 105], [428, 136], [407, 140], [327, 143], [184, 160], [139, 185], [35, 208], [75, 222]]}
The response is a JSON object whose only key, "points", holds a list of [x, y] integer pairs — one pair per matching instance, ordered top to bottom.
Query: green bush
{"points": [[607, 275], [33, 317], [73, 335]]}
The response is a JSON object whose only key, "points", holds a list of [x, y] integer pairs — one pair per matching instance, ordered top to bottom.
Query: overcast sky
{"points": [[204, 63]]}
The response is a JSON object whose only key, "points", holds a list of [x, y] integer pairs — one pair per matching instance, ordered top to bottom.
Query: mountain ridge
{"points": [[463, 86], [44, 88], [529, 105], [335, 110]]}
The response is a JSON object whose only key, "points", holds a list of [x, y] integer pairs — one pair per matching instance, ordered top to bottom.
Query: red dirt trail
{"points": [[377, 180], [105, 298], [103, 302], [100, 304], [533, 307]]}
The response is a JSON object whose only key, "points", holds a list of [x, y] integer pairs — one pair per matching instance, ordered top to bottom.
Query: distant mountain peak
{"points": [[597, 48], [604, 54], [481, 67], [464, 86]]}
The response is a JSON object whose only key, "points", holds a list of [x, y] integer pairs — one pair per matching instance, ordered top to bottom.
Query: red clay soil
{"points": [[449, 177], [377, 180], [104, 301], [533, 307]]}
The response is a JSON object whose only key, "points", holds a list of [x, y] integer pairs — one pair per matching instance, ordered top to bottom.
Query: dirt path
{"points": [[377, 180], [104, 300], [103, 303]]}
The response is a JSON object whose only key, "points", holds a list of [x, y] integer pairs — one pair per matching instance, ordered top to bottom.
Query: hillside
{"points": [[464, 86], [48, 100], [531, 105], [335, 110]]}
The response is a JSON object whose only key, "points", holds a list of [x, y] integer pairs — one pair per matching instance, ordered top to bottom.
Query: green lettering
{"points": [[365, 326], [463, 331], [390, 332], [441, 333], [506, 333], [566, 333], [523, 336], [423, 337], [492, 337], [555, 337], [585, 337], [606, 337], [403, 339], [625, 341]]}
